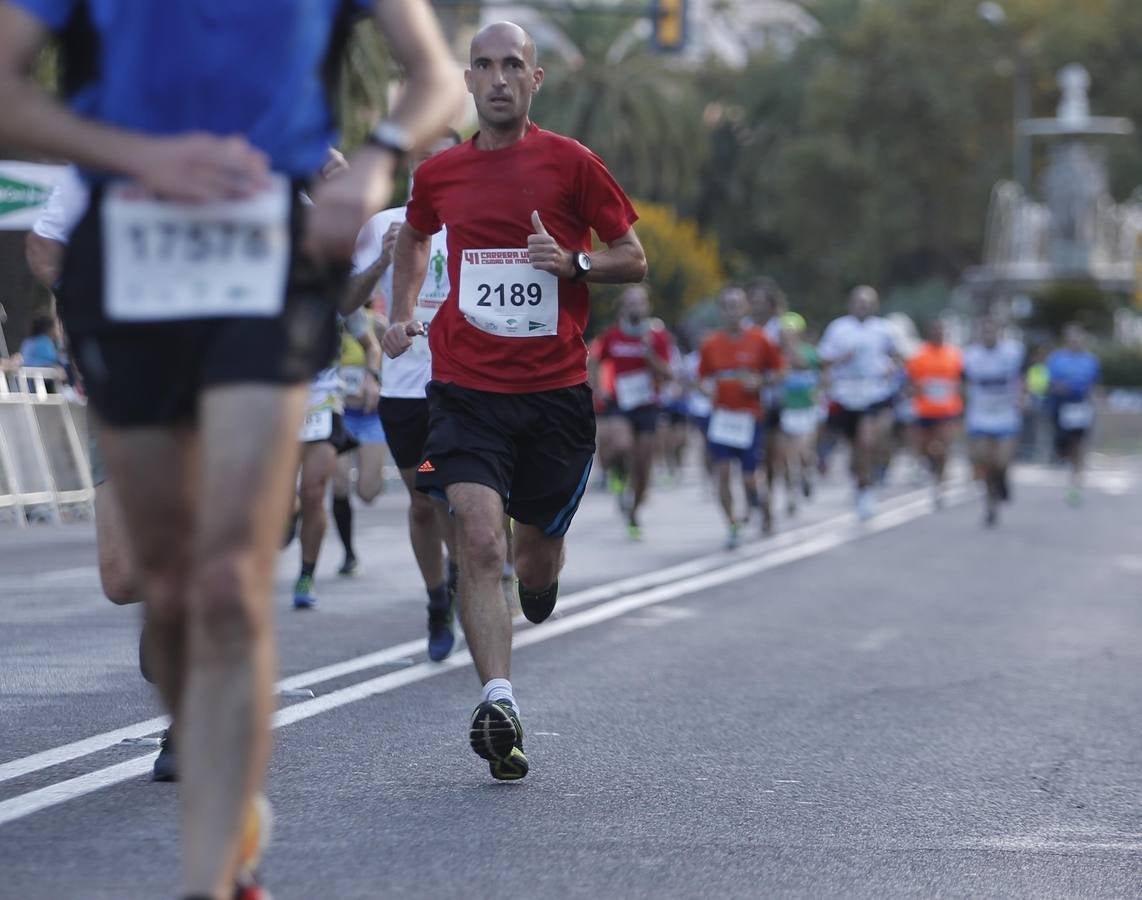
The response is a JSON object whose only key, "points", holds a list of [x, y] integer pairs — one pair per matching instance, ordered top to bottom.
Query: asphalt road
{"points": [[912, 708]]}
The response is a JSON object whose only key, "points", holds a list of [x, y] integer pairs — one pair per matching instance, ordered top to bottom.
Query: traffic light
{"points": [[669, 17]]}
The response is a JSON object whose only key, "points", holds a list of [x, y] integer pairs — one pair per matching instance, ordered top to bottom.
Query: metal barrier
{"points": [[43, 455]]}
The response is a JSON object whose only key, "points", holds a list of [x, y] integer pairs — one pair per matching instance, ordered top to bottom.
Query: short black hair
{"points": [[42, 324]]}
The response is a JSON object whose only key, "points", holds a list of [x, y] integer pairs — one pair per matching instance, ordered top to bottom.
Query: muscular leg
{"points": [[621, 446], [862, 449], [642, 457], [318, 461], [248, 469], [370, 471], [153, 488], [725, 489], [342, 508], [428, 528], [482, 548], [205, 550], [538, 557], [116, 572]]}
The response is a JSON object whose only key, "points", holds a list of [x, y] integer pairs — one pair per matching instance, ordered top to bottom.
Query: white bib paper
{"points": [[170, 261], [503, 294], [353, 379], [634, 389], [938, 389], [1076, 416], [799, 421], [317, 426], [732, 428]]}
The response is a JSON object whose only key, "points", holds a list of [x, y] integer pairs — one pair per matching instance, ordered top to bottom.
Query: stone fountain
{"points": [[1076, 231]]}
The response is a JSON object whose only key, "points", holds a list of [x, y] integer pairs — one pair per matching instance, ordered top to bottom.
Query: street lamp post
{"points": [[995, 15]]}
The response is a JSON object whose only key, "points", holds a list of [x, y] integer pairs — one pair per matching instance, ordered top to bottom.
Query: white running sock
{"points": [[500, 689]]}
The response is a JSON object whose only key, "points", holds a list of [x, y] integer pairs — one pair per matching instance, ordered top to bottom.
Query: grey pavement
{"points": [[920, 708]]}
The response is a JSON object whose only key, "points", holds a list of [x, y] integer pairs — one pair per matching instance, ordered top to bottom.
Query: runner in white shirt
{"points": [[862, 358], [993, 377], [404, 407], [324, 437]]}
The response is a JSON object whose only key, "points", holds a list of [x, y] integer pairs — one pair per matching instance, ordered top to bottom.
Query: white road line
{"points": [[609, 591], [76, 749], [34, 801]]}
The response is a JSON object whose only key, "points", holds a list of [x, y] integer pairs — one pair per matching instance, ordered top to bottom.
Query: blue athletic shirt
{"points": [[260, 68], [1075, 371]]}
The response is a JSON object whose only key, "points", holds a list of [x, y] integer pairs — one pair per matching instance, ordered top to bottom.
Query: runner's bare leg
{"points": [[249, 462], [482, 547]]}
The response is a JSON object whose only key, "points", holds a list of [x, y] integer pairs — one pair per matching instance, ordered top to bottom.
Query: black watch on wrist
{"points": [[392, 137], [582, 263]]}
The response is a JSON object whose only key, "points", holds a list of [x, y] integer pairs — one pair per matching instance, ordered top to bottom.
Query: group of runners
{"points": [[253, 322], [771, 404]]}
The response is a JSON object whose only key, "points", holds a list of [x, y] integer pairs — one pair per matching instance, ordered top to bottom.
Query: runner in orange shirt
{"points": [[734, 365], [936, 374]]}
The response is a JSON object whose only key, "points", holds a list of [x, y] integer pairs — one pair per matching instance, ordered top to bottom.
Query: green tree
{"points": [[639, 115]]}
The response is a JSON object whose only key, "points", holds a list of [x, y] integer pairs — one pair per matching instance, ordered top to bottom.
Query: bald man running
{"points": [[511, 421]]}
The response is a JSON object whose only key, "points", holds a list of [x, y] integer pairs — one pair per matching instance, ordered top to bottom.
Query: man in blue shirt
{"points": [[199, 295], [40, 349], [1074, 371]]}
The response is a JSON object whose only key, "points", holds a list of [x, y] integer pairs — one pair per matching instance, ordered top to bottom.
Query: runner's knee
{"points": [[370, 487], [312, 492], [422, 510], [485, 547], [538, 567], [118, 582], [166, 595], [224, 608]]}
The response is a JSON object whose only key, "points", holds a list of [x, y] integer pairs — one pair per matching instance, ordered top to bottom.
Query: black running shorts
{"points": [[140, 374], [643, 419], [405, 420], [847, 421], [535, 450]]}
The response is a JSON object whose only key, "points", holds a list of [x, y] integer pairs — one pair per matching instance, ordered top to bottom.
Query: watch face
{"points": [[583, 260]]}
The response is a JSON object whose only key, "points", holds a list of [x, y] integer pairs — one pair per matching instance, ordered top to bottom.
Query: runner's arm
{"points": [[432, 92], [45, 258], [623, 262], [410, 264], [362, 285], [372, 348]]}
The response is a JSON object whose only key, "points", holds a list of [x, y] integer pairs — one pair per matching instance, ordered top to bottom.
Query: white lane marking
{"points": [[1129, 563], [877, 639], [401, 652], [76, 749], [25, 804]]}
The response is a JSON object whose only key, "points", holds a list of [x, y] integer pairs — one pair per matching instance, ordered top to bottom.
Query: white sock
{"points": [[500, 689]]}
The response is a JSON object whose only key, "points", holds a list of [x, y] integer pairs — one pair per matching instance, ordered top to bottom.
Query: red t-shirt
{"points": [[486, 198], [628, 352]]}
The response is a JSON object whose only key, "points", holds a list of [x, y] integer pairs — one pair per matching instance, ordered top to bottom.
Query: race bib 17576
{"points": [[168, 261], [501, 293]]}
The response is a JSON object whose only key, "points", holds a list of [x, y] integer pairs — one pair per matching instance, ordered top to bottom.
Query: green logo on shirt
{"points": [[18, 195], [438, 263]]}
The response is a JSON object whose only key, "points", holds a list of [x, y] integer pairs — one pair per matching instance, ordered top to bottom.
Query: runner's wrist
{"points": [[377, 159]]}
